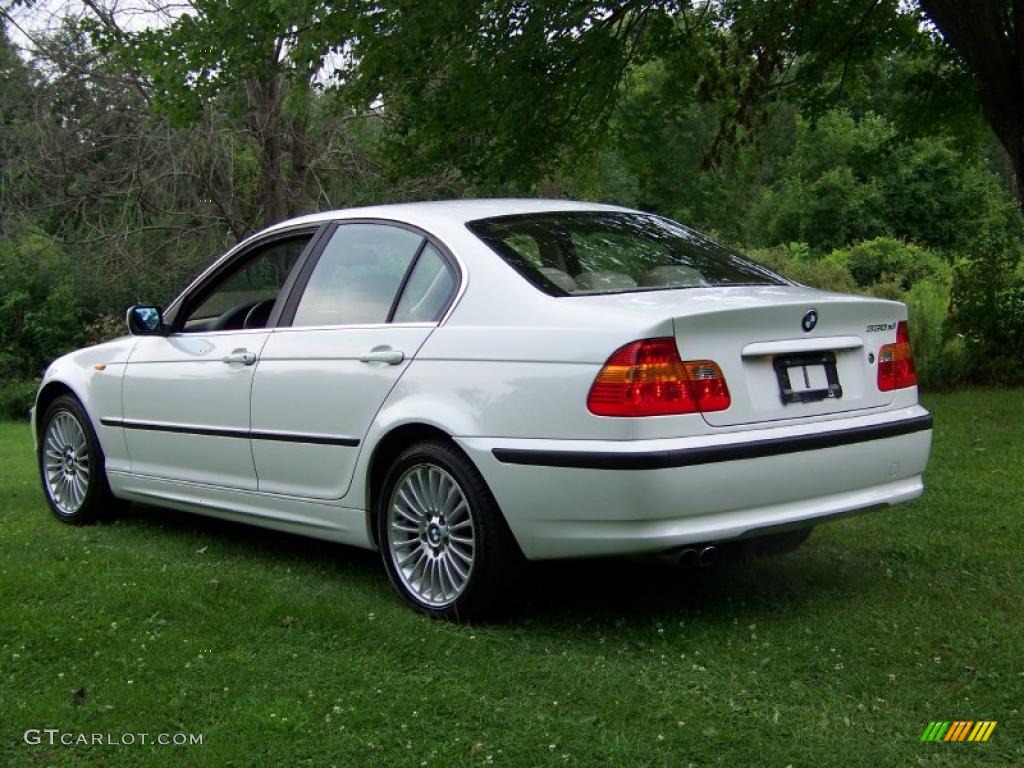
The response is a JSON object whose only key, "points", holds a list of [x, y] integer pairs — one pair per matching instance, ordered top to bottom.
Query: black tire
{"points": [[97, 500], [772, 544], [495, 555]]}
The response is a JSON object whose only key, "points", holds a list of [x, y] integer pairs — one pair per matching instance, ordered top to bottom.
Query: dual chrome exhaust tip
{"points": [[696, 557]]}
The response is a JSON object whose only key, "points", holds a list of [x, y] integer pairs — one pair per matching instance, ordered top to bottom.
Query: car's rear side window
{"points": [[592, 252], [428, 290]]}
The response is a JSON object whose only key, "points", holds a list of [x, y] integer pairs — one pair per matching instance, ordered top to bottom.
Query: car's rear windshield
{"points": [[592, 252]]}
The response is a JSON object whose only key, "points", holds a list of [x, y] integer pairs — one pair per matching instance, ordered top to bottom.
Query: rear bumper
{"points": [[573, 498]]}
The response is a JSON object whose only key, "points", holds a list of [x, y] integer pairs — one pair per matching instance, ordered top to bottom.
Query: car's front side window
{"points": [[358, 276], [244, 296]]}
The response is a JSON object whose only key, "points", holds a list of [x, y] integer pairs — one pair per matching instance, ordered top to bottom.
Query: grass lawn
{"points": [[286, 651]]}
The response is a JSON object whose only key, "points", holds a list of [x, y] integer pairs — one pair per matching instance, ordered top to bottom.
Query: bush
{"points": [[850, 178], [887, 260], [793, 262], [987, 309], [41, 314], [105, 328], [35, 330], [938, 358], [16, 397]]}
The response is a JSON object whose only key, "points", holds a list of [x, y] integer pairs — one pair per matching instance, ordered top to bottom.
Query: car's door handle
{"points": [[385, 355], [243, 356]]}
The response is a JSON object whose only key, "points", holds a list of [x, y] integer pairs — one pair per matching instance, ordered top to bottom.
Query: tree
{"points": [[989, 36], [257, 61], [517, 82], [17, 93], [95, 176], [848, 179]]}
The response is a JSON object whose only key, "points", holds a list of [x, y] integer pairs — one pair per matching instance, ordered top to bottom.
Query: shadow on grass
{"points": [[243, 539], [634, 588], [567, 591]]}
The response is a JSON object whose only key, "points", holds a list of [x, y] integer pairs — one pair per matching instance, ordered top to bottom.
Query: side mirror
{"points": [[145, 321]]}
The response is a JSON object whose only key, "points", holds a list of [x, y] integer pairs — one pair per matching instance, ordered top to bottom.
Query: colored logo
{"points": [[810, 320], [958, 730]]}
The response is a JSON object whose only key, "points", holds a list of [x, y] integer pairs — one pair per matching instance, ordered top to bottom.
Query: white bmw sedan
{"points": [[464, 384]]}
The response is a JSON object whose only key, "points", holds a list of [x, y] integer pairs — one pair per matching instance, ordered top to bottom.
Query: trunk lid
{"points": [[747, 329], [790, 352]]}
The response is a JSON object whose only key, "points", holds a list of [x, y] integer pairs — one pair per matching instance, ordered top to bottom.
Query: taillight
{"points": [[896, 362], [648, 378]]}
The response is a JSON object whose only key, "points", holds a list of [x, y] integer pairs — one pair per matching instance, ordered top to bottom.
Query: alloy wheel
{"points": [[66, 462], [431, 535]]}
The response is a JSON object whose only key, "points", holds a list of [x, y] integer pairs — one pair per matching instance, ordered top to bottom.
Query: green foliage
{"points": [[209, 50], [521, 84], [497, 90], [926, 90], [847, 148], [657, 149], [850, 179], [826, 193], [887, 260], [31, 261], [792, 262], [988, 308], [40, 311], [58, 324], [105, 328], [34, 331], [937, 353], [17, 397]]}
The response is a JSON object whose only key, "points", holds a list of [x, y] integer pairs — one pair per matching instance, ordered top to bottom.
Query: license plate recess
{"points": [[808, 377]]}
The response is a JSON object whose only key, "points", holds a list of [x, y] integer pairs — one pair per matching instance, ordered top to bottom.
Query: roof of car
{"points": [[459, 211]]}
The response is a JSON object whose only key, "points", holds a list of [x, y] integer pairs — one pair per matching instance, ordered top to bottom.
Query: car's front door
{"points": [[358, 315], [186, 395]]}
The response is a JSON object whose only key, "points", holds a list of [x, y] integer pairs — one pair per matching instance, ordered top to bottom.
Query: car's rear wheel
{"points": [[71, 464], [444, 542]]}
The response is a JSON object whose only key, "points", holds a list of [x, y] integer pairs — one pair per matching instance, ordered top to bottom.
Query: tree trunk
{"points": [[989, 36], [268, 127], [298, 199]]}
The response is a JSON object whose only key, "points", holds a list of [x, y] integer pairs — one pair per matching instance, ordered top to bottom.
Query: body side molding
{"points": [[184, 429], [689, 457]]}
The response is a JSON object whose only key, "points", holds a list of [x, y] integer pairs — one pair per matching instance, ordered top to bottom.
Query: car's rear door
{"points": [[359, 312], [186, 395]]}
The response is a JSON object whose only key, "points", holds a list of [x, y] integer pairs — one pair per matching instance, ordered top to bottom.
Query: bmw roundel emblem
{"points": [[810, 320]]}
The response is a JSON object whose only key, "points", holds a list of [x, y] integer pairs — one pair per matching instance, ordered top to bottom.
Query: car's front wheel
{"points": [[71, 463], [445, 544]]}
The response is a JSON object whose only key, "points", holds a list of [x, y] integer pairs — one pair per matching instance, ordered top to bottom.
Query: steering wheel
{"points": [[257, 316], [233, 318]]}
